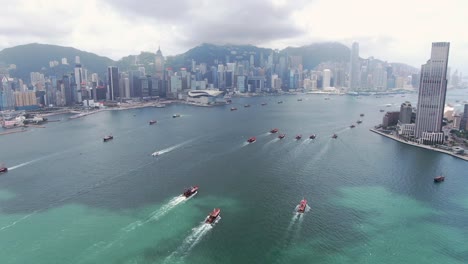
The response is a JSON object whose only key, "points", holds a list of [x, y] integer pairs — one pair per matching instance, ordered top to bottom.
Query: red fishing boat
{"points": [[274, 130], [281, 136], [313, 136], [334, 136], [298, 137], [251, 140], [3, 169], [439, 178], [190, 191], [302, 206], [213, 216]]}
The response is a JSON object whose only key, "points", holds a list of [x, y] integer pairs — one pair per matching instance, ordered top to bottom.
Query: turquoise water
{"points": [[70, 198]]}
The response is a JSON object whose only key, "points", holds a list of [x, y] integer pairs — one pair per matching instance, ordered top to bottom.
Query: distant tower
{"points": [[159, 64], [355, 67], [326, 78], [113, 82], [431, 98]]}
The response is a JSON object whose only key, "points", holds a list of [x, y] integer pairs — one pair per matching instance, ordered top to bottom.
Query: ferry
{"points": [[246, 105], [233, 109], [175, 115], [359, 121], [152, 122], [352, 126], [274, 130], [281, 136], [313, 136], [334, 136], [298, 137], [107, 138], [251, 140], [3, 169], [439, 179], [190, 191], [302, 206], [211, 218]]}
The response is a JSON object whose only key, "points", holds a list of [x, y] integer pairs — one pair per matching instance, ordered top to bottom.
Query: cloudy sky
{"points": [[396, 30]]}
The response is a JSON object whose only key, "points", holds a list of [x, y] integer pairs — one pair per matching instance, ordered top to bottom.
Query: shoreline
{"points": [[462, 157]]}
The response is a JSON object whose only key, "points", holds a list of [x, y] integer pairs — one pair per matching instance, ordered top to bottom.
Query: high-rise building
{"points": [[159, 64], [355, 68], [326, 78], [113, 82], [431, 98], [406, 110], [464, 119]]}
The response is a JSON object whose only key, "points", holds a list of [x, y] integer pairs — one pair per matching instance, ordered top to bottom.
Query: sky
{"points": [[391, 30]]}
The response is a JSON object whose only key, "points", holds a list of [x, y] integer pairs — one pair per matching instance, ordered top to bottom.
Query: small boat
{"points": [[327, 98], [299, 100], [228, 101], [280, 102], [263, 104], [246, 105], [388, 105], [233, 109], [381, 110], [175, 115], [361, 115], [359, 121], [152, 122], [352, 126], [274, 130], [281, 136], [313, 136], [334, 136], [298, 137], [107, 138], [251, 140], [155, 154], [3, 169], [439, 178], [190, 191], [302, 206], [211, 218]]}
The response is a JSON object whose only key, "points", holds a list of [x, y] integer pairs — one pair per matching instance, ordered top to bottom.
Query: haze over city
{"points": [[397, 31]]}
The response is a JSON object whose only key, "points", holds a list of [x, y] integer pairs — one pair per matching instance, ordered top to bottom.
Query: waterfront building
{"points": [[354, 73], [113, 82], [432, 92], [206, 97], [25, 100], [406, 111], [390, 119], [464, 119]]}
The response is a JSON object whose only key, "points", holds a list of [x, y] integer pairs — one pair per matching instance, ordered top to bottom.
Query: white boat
{"points": [[155, 154]]}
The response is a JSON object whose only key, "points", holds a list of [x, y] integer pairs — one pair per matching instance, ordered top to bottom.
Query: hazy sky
{"points": [[396, 30]]}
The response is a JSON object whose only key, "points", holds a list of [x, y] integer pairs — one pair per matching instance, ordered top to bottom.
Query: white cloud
{"points": [[397, 30]]}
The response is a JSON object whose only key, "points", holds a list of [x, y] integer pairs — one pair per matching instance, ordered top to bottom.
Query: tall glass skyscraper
{"points": [[355, 68], [431, 98]]}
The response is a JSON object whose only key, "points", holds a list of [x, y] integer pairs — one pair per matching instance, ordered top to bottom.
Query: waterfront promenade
{"points": [[460, 156]]}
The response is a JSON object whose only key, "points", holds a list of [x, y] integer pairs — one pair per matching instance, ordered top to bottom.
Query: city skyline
{"points": [[138, 27]]}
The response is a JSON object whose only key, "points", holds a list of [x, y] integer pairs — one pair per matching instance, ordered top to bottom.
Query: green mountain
{"points": [[314, 54], [35, 57]]}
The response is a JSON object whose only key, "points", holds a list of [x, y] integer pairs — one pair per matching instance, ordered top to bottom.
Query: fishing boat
{"points": [[211, 218]]}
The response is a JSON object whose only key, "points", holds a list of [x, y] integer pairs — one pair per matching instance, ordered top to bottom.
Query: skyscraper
{"points": [[159, 64], [355, 67], [326, 78], [113, 82], [431, 98], [406, 111], [464, 119]]}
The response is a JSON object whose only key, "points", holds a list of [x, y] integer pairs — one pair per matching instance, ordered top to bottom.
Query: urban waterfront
{"points": [[70, 198]]}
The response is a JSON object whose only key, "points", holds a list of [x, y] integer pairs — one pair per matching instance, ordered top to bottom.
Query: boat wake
{"points": [[169, 149], [35, 160], [156, 215], [17, 221], [191, 241]]}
